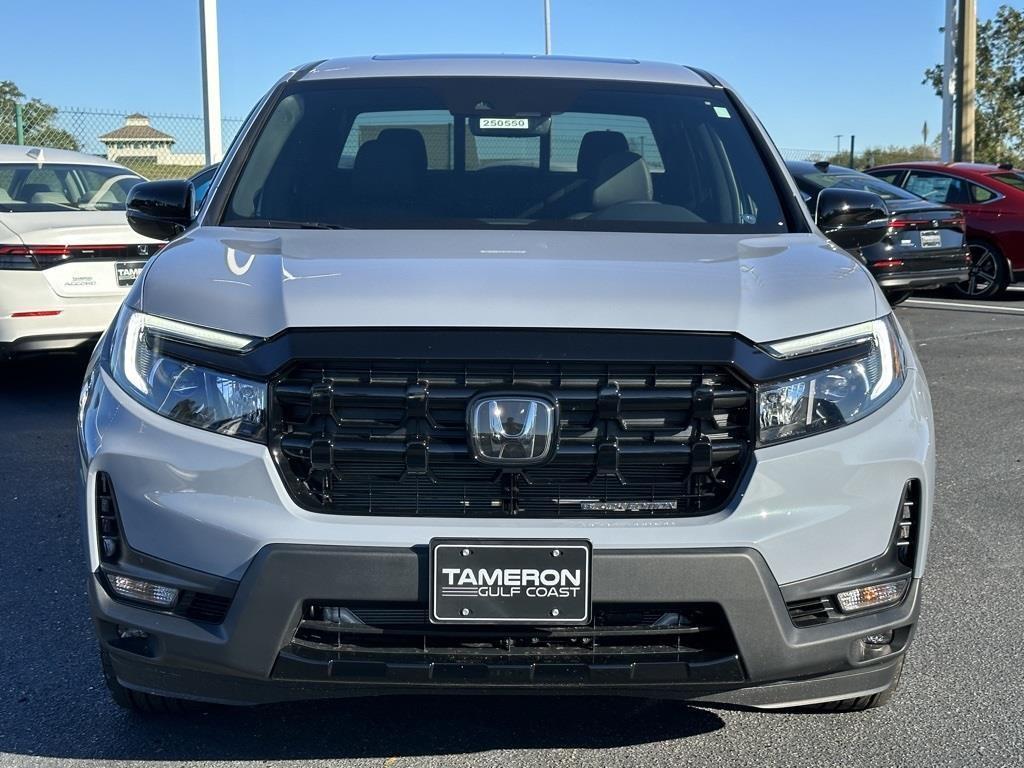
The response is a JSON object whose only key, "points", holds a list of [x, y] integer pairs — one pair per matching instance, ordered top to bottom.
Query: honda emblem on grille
{"points": [[516, 430]]}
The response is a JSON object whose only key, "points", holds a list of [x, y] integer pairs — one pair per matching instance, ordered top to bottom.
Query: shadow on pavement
{"points": [[38, 378], [378, 727]]}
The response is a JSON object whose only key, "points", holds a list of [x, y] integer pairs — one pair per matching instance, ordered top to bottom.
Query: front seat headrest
{"points": [[406, 140], [597, 146], [391, 166], [622, 178], [56, 198]]}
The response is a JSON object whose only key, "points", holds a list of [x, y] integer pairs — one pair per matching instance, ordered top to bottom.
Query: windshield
{"points": [[505, 153], [860, 181], [29, 187]]}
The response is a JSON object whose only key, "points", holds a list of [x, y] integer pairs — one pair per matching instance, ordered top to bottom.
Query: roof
{"points": [[505, 65], [137, 132], [15, 153], [979, 168]]}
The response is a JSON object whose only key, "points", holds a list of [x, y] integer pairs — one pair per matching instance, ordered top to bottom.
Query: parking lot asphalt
{"points": [[960, 702]]}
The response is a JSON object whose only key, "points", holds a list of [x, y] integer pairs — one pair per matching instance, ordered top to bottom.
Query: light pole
{"points": [[547, 27], [966, 68], [211, 80], [948, 80], [839, 139]]}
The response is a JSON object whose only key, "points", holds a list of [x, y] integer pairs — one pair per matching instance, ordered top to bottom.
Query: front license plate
{"points": [[931, 238], [128, 271], [509, 582]]}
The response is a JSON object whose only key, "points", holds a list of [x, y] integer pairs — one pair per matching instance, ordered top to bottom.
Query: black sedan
{"points": [[924, 245]]}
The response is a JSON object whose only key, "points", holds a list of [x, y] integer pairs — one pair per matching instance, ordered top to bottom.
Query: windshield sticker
{"points": [[722, 112], [504, 123]]}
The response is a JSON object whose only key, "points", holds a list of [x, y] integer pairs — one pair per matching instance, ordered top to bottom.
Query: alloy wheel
{"points": [[984, 280]]}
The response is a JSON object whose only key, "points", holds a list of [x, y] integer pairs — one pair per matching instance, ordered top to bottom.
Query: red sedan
{"points": [[992, 200]]}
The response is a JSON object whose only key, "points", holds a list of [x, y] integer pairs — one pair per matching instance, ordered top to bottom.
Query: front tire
{"points": [[989, 274], [897, 297], [137, 701]]}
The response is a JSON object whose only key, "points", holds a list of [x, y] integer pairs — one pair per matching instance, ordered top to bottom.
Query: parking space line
{"points": [[962, 306]]}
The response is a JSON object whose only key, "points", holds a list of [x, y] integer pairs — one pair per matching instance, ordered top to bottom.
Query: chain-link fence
{"points": [[157, 146], [164, 146], [810, 155]]}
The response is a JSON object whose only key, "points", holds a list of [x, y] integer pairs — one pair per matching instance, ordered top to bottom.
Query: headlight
{"points": [[183, 391], [835, 396]]}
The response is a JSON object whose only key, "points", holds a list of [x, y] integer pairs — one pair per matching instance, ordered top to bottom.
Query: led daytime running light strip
{"points": [[196, 334], [839, 338]]}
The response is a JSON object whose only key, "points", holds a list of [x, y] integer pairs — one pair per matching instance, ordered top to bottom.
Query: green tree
{"points": [[999, 95], [37, 120]]}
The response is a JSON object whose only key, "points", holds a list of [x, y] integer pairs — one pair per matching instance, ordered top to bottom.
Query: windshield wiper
{"points": [[282, 224]]}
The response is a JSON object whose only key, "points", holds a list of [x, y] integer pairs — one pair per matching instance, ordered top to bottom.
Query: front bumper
{"points": [[210, 513], [250, 658]]}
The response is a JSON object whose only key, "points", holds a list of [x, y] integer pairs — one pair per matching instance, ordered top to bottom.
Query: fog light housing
{"points": [[143, 591], [873, 596], [131, 633], [879, 638]]}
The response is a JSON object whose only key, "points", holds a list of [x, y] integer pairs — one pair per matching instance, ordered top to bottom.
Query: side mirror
{"points": [[160, 209], [851, 218]]}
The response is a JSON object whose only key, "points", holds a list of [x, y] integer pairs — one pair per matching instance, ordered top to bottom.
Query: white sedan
{"points": [[67, 254]]}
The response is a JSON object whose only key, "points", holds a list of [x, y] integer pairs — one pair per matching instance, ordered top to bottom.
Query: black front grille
{"points": [[390, 438], [415, 614], [648, 632], [624, 645]]}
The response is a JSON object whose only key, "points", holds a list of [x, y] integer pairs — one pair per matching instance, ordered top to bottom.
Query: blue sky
{"points": [[809, 69]]}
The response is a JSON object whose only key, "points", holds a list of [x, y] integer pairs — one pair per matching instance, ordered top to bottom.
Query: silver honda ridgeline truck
{"points": [[492, 374]]}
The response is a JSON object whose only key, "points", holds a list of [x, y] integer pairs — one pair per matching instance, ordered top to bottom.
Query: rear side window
{"points": [[434, 126], [568, 130], [501, 152], [505, 153], [890, 177], [1013, 179], [862, 182], [29, 187], [937, 187], [980, 194]]}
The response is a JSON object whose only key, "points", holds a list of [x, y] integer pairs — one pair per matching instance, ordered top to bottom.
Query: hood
{"points": [[72, 228], [260, 282]]}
